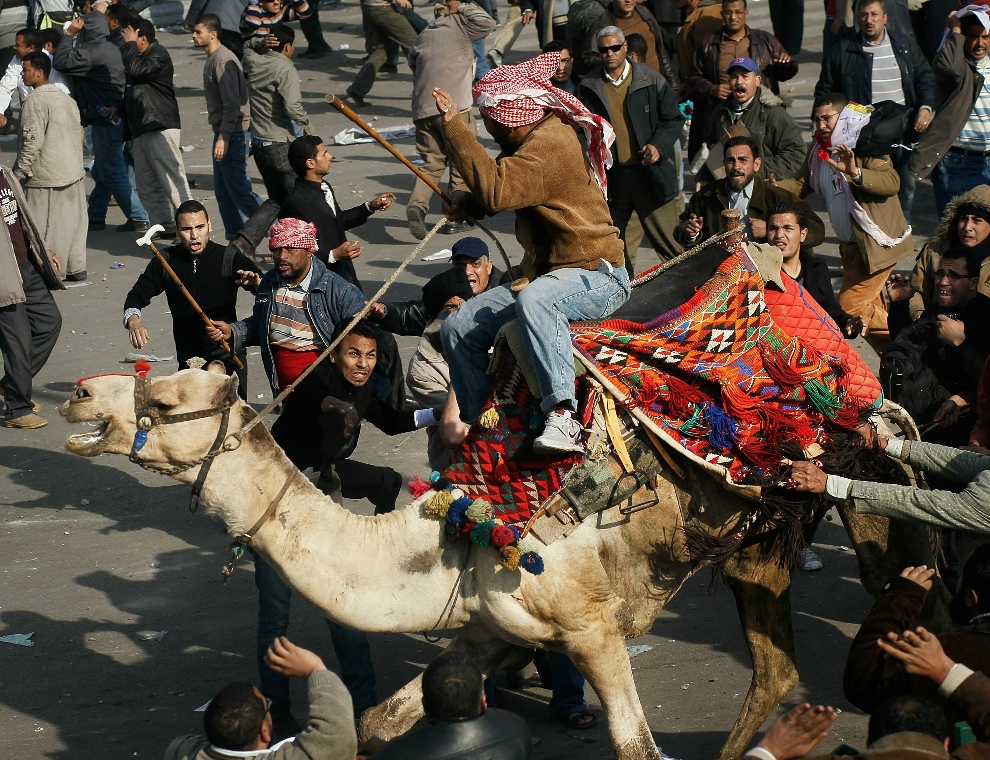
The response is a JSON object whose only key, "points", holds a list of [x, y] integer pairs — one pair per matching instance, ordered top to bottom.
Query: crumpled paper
{"points": [[356, 135], [133, 358], [21, 639]]}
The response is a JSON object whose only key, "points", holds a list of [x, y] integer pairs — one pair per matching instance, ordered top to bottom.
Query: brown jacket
{"points": [[702, 21], [878, 197], [562, 219], [11, 289], [871, 677]]}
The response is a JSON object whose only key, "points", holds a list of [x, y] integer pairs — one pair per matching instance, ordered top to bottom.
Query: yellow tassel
{"points": [[489, 418], [438, 504], [509, 557]]}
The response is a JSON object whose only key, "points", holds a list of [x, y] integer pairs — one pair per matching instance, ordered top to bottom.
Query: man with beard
{"points": [[742, 189], [871, 677]]}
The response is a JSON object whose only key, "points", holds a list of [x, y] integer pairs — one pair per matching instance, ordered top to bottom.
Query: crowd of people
{"points": [[609, 92]]}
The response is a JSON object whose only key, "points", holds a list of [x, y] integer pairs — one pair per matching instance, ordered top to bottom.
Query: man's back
{"points": [[95, 65], [274, 95], [50, 150], [493, 735]]}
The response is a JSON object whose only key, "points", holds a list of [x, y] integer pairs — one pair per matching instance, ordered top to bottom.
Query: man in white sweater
{"points": [[26, 41]]}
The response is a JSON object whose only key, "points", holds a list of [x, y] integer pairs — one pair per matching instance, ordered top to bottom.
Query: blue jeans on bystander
{"points": [[957, 174], [110, 175], [232, 185]]}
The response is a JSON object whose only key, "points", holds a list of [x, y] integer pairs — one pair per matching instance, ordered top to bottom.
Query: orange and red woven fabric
{"points": [[723, 378]]}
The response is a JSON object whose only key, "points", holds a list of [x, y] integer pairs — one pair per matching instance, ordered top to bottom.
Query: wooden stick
{"points": [[146, 240]]}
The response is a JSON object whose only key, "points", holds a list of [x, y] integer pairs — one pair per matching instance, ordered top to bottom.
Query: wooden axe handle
{"points": [[341, 106]]}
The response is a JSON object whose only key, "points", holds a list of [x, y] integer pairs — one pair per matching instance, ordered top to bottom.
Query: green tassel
{"points": [[822, 398]]}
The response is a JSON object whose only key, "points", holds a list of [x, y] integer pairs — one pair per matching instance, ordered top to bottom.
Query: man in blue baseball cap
{"points": [[751, 108]]}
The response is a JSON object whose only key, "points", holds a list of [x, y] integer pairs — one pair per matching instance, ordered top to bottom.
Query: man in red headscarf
{"points": [[572, 253]]}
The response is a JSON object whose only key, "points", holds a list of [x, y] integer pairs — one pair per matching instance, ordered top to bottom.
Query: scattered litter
{"points": [[338, 48], [203, 113], [356, 135], [188, 148], [417, 161], [441, 255], [117, 265], [77, 284], [133, 358], [261, 395], [84, 502], [66, 532], [842, 548], [156, 635], [21, 639], [635, 649], [685, 686], [659, 706], [202, 708]]}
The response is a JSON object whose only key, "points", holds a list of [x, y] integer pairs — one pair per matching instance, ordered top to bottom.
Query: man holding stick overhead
{"points": [[572, 253], [211, 275]]}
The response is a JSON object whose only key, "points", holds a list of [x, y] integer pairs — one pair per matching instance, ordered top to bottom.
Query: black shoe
{"points": [[321, 51], [389, 68], [358, 100], [417, 221], [134, 225], [97, 226], [454, 228], [164, 235], [76, 276], [391, 490]]}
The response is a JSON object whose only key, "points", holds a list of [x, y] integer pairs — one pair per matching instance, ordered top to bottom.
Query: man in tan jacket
{"points": [[861, 199], [572, 253]]}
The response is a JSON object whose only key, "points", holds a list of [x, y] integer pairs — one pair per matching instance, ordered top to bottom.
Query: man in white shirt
{"points": [[27, 41]]}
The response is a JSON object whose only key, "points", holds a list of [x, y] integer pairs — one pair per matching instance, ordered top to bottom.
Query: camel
{"points": [[605, 582]]}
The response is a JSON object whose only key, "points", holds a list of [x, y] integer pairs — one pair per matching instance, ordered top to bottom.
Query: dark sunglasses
{"points": [[603, 49], [940, 273]]}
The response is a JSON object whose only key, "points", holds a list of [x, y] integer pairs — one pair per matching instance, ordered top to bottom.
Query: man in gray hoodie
{"points": [[97, 72]]}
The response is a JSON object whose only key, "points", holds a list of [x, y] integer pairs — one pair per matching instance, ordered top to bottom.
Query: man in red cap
{"points": [[572, 253]]}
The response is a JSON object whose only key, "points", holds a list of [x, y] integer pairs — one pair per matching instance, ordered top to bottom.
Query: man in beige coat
{"points": [[442, 57], [50, 165], [861, 199]]}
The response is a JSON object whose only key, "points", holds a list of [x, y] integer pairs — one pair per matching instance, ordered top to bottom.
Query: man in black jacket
{"points": [[642, 107], [153, 121], [314, 201], [210, 274], [459, 722]]}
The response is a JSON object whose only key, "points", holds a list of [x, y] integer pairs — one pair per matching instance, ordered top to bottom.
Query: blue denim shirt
{"points": [[332, 300]]}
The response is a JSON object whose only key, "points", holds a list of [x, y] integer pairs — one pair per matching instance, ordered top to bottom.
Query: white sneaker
{"points": [[560, 435], [810, 561]]}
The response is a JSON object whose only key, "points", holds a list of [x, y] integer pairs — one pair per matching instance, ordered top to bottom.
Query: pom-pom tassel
{"points": [[142, 368], [488, 418], [417, 487], [438, 504], [479, 511], [481, 534], [502, 536], [509, 557], [531, 562]]}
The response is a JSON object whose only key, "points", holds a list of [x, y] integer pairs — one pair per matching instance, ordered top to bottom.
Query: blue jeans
{"points": [[481, 65], [957, 174], [110, 175], [232, 185], [544, 309], [351, 647], [568, 687]]}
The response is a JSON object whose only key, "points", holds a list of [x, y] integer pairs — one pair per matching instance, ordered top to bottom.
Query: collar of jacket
{"points": [[897, 43], [759, 199], [320, 278], [909, 741]]}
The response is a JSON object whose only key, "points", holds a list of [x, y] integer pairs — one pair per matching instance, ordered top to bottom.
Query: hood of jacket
{"points": [[96, 28], [769, 98], [945, 236]]}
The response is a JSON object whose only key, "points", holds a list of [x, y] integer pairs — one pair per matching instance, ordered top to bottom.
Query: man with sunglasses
{"points": [[953, 342], [238, 720]]}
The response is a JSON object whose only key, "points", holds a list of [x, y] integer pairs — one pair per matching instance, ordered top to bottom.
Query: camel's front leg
{"points": [[762, 592], [604, 661], [399, 713]]}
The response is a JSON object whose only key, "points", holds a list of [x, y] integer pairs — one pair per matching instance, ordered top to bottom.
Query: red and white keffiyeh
{"points": [[519, 95], [292, 233]]}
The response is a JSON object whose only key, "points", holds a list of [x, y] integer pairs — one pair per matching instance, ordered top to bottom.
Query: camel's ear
{"points": [[216, 367]]}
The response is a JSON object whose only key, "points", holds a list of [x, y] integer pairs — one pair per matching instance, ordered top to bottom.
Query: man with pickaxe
{"points": [[210, 274]]}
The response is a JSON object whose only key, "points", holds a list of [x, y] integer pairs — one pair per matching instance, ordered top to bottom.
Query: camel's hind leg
{"points": [[762, 591], [604, 661], [399, 713]]}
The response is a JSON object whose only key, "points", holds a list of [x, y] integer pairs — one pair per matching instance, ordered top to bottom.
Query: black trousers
{"points": [[273, 165], [28, 333]]}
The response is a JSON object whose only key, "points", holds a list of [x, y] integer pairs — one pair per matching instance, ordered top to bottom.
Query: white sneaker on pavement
{"points": [[559, 436], [809, 560]]}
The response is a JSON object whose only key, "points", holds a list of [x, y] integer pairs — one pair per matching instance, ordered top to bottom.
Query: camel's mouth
{"points": [[79, 408], [91, 440]]}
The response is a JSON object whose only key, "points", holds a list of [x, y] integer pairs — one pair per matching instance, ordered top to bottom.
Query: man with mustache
{"points": [[954, 148], [742, 189]]}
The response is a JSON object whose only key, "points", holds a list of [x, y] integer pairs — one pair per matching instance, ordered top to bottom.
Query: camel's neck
{"points": [[387, 573]]}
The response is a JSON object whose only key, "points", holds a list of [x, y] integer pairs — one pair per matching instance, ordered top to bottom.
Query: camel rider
{"points": [[572, 253]]}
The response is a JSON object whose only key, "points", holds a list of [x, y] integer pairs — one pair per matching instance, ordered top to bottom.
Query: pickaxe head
{"points": [[146, 240]]}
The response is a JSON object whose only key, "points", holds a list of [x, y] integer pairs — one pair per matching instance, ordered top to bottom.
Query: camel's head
{"points": [[139, 416]]}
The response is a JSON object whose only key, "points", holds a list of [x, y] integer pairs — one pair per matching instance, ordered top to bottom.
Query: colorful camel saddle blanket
{"points": [[744, 376]]}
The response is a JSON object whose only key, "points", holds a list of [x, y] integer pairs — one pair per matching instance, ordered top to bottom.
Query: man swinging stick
{"points": [[572, 253]]}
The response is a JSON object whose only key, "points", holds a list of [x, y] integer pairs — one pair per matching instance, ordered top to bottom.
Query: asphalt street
{"points": [[120, 585]]}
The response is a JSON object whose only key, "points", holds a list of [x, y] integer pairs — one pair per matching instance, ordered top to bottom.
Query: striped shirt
{"points": [[257, 22], [885, 74], [975, 134], [290, 327]]}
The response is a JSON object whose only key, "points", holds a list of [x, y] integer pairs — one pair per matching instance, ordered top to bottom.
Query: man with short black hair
{"points": [[26, 41], [276, 102], [153, 121], [49, 164], [313, 200], [213, 277], [238, 720], [459, 722]]}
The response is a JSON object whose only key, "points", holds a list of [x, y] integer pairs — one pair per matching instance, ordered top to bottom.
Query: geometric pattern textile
{"points": [[723, 379]]}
